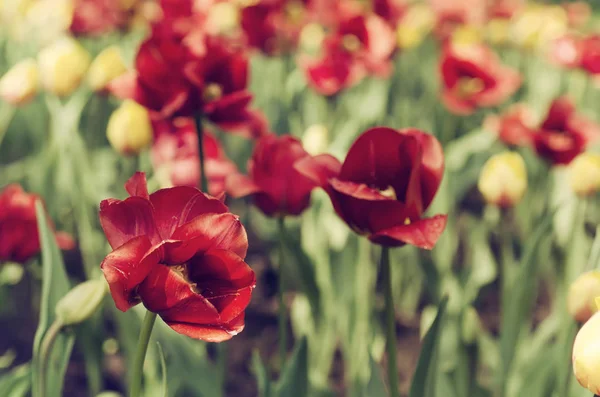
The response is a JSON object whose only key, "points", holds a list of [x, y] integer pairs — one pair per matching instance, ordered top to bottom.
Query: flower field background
{"points": [[280, 198]]}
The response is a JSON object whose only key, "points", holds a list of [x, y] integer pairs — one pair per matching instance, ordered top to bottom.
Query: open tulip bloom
{"points": [[384, 185], [181, 253]]}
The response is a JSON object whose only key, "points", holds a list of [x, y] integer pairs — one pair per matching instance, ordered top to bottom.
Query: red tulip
{"points": [[390, 10], [96, 17], [567, 51], [590, 54], [473, 77], [514, 127], [564, 133], [175, 156], [275, 185], [382, 189], [19, 238], [181, 253]]}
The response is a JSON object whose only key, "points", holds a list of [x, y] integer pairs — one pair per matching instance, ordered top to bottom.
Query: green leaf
{"points": [[306, 272], [55, 285], [163, 370], [261, 374], [294, 377], [424, 380], [17, 382], [376, 385]]}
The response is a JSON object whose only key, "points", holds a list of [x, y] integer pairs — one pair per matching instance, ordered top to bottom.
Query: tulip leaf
{"points": [[306, 272], [55, 285], [163, 370], [261, 374], [424, 380], [293, 381], [17, 382]]}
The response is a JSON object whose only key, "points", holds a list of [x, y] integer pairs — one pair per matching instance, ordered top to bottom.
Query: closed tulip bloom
{"points": [[63, 65], [107, 66], [20, 84], [514, 127], [129, 129], [564, 133], [585, 174], [503, 179], [385, 184], [276, 187], [19, 238], [181, 253], [582, 295], [81, 302], [586, 355]]}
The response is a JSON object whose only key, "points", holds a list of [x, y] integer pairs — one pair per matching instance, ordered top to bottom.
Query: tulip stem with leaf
{"points": [[200, 132], [390, 322], [45, 352], [135, 386]]}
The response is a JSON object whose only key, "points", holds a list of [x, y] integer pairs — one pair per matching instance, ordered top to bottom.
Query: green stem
{"points": [[200, 132], [282, 308], [390, 322], [45, 351], [140, 354]]}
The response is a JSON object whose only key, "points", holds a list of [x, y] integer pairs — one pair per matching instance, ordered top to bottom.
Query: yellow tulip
{"points": [[223, 17], [415, 26], [63, 65], [107, 66], [20, 84], [129, 129], [585, 174], [503, 179], [582, 294], [586, 355]]}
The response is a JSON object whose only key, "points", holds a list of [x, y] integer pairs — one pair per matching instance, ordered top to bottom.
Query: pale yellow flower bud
{"points": [[223, 17], [48, 20], [539, 25], [415, 26], [497, 30], [466, 35], [311, 37], [63, 66], [107, 66], [20, 84], [129, 129], [315, 139], [585, 174], [503, 179], [581, 300], [81, 302], [586, 355]]}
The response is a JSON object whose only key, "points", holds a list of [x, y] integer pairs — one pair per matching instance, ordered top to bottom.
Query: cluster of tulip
{"points": [[469, 170]]}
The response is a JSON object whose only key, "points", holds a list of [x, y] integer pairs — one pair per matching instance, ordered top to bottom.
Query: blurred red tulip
{"points": [[504, 8], [390, 10], [96, 17], [359, 45], [567, 51], [590, 54], [473, 77], [513, 127], [564, 133], [175, 156], [276, 187], [382, 189], [19, 237], [181, 253]]}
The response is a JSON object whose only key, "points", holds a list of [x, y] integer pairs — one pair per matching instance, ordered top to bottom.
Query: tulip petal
{"points": [[319, 168], [238, 185], [136, 186], [175, 206], [124, 220], [211, 231], [422, 233], [126, 267], [167, 293], [208, 333]]}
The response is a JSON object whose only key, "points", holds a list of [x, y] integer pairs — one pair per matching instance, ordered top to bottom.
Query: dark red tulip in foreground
{"points": [[181, 253]]}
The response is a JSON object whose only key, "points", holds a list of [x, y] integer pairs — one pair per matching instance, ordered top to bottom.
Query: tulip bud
{"points": [[415, 26], [497, 31], [466, 35], [311, 37], [63, 66], [107, 66], [19, 85], [129, 129], [315, 139], [585, 174], [503, 179], [582, 294], [81, 302], [427, 318], [470, 325], [586, 355]]}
